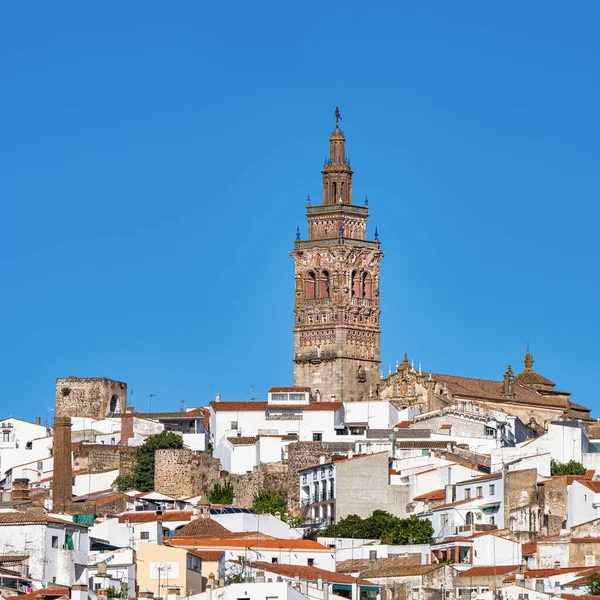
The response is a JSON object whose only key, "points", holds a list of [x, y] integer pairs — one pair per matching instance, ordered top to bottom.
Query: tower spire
{"points": [[337, 173]]}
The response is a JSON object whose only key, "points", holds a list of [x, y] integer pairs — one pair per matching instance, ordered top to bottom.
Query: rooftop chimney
{"points": [[217, 397], [38, 420], [321, 460], [20, 491], [372, 559], [320, 582], [79, 592], [146, 593], [173, 593]]}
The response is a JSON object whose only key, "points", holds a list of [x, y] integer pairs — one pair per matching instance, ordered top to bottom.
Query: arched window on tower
{"points": [[334, 194], [324, 284], [355, 284], [310, 285], [367, 285], [112, 407]]}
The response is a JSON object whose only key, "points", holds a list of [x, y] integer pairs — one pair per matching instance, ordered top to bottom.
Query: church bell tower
{"points": [[336, 325]]}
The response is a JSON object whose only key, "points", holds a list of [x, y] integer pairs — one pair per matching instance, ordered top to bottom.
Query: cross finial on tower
{"points": [[308, 199], [366, 200], [297, 232], [376, 234]]}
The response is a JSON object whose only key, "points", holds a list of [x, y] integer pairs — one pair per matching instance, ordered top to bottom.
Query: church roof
{"points": [[529, 376], [486, 389]]}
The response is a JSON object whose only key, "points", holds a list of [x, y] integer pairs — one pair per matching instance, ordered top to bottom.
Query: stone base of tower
{"points": [[345, 379]]}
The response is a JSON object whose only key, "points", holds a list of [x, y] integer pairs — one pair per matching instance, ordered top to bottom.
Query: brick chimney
{"points": [[62, 480], [20, 492], [79, 592], [146, 593]]}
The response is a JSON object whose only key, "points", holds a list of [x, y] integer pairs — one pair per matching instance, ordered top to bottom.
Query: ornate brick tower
{"points": [[336, 330]]}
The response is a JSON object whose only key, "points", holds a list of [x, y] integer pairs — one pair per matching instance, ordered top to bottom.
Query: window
{"points": [[309, 289], [234, 425], [6, 436], [317, 437], [112, 441], [40, 465], [492, 489], [479, 492], [467, 493], [444, 519], [492, 522], [145, 535], [55, 541], [274, 561], [310, 562], [193, 563]]}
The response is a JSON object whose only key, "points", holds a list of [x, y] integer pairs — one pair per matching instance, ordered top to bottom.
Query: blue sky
{"points": [[155, 162]]}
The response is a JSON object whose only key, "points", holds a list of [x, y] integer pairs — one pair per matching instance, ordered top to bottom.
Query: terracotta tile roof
{"points": [[530, 377], [290, 389], [486, 389], [223, 406], [193, 413], [403, 424], [446, 426], [242, 441], [438, 444], [358, 456], [589, 474], [482, 478], [594, 486], [433, 495], [110, 498], [456, 503], [150, 516], [26, 517], [202, 527], [585, 540], [250, 543], [529, 548], [211, 555], [11, 559], [358, 565], [399, 571], [489, 571], [306, 573], [541, 573], [46, 593]]}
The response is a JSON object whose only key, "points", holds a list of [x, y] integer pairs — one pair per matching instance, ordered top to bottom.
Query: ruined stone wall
{"points": [[90, 397], [98, 458], [179, 472], [279, 476], [553, 501]]}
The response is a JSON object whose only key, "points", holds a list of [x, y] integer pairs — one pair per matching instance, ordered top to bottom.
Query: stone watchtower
{"points": [[336, 327], [94, 397]]}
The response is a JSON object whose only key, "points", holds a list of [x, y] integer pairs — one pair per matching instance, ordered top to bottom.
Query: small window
{"points": [[234, 425], [6, 436], [317, 437], [112, 441], [40, 465], [492, 489], [479, 492], [467, 493], [492, 522], [145, 535], [55, 541], [274, 560], [310, 562]]}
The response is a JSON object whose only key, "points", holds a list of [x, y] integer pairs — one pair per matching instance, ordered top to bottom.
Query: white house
{"points": [[583, 502], [58, 549], [114, 568]]}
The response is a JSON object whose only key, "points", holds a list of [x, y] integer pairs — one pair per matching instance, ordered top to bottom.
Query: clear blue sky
{"points": [[156, 157]]}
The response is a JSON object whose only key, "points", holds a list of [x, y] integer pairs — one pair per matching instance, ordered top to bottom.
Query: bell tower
{"points": [[336, 314]]}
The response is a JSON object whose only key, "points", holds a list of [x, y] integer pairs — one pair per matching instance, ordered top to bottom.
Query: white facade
{"points": [[17, 445], [89, 483], [583, 503], [241, 521], [46, 543], [494, 550], [120, 570]]}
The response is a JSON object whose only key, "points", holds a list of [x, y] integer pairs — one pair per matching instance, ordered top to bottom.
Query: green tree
{"points": [[571, 468], [144, 469], [124, 483], [221, 493], [269, 501], [351, 526], [409, 531], [594, 584], [112, 592]]}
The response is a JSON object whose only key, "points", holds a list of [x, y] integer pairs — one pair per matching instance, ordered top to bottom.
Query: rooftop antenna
{"points": [[253, 393], [151, 396], [130, 397], [182, 406]]}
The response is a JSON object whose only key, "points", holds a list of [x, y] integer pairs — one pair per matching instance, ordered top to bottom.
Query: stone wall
{"points": [[90, 397], [98, 458], [179, 472], [280, 476], [553, 500]]}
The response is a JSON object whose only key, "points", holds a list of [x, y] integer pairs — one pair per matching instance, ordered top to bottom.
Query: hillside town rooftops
{"points": [[233, 406], [150, 516], [29, 517], [270, 544], [307, 573]]}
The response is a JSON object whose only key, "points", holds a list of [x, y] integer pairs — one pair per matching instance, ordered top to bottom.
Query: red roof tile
{"points": [[290, 389], [263, 406], [403, 424], [482, 478], [433, 495], [150, 516], [252, 543], [211, 555], [480, 571], [307, 573]]}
